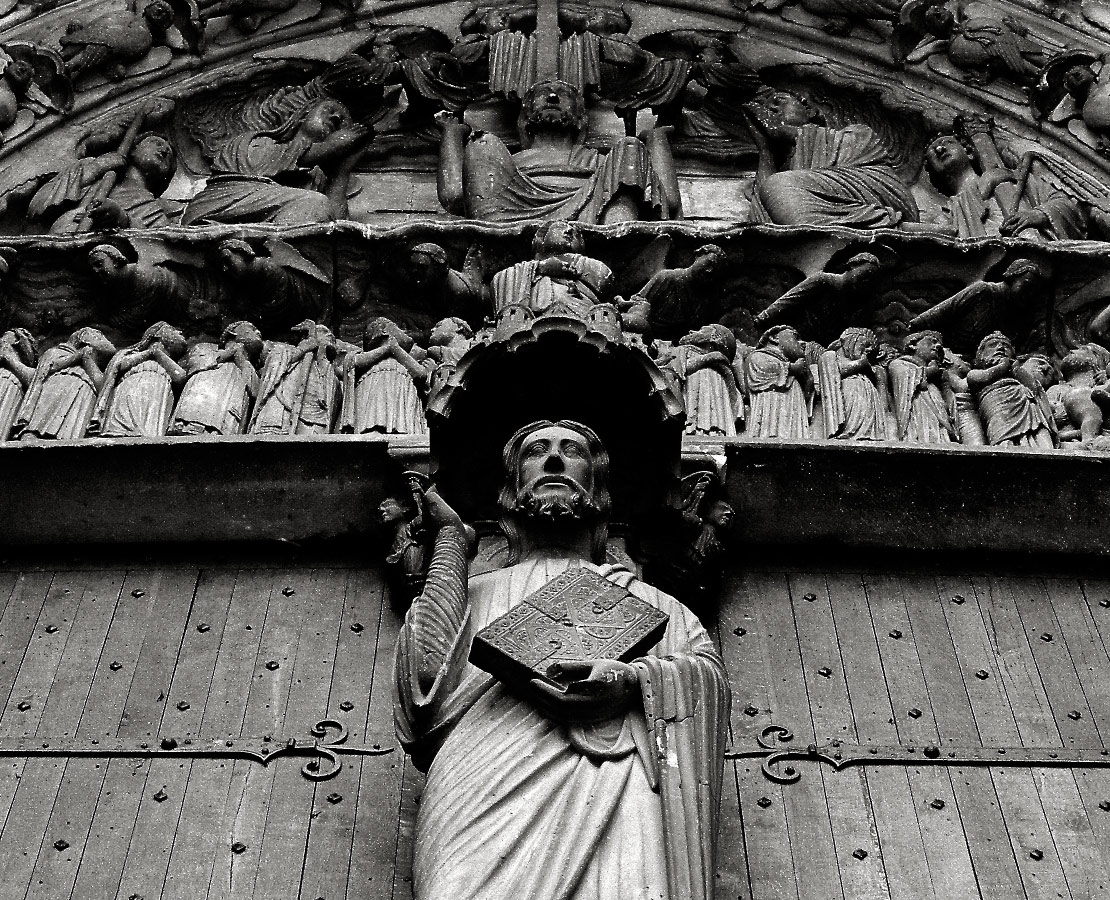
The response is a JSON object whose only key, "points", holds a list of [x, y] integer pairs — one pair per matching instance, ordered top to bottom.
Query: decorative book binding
{"points": [[578, 616]]}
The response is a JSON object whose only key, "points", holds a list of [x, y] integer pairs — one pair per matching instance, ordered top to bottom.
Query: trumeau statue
{"points": [[555, 176], [222, 381], [137, 396], [598, 791]]}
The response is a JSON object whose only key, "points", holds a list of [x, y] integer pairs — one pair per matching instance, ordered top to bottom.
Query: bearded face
{"points": [[555, 477]]}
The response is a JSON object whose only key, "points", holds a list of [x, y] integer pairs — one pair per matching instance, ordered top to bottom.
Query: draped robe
{"points": [[11, 396], [217, 396], [778, 403], [136, 404], [850, 404], [918, 404], [57, 406], [1016, 415], [519, 806]]}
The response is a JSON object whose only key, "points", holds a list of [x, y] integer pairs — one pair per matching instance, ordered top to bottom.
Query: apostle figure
{"points": [[556, 176], [832, 176], [559, 273], [18, 354], [703, 362], [777, 377], [222, 381], [381, 385], [299, 388], [61, 396], [136, 399], [1012, 402], [852, 404], [919, 411], [607, 789]]}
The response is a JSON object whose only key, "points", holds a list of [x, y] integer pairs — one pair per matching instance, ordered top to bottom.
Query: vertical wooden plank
{"points": [[147, 658], [379, 791], [295, 801], [71, 820], [853, 820], [198, 840], [901, 840], [946, 848], [992, 855], [146, 866], [816, 867]]}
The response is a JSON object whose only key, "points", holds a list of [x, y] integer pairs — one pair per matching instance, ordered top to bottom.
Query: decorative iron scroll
{"points": [[325, 748], [841, 755]]}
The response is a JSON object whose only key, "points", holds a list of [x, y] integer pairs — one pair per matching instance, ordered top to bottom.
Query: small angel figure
{"points": [[984, 46], [32, 84], [1075, 85], [276, 290], [674, 299], [19, 352], [703, 363], [777, 375], [221, 383], [381, 385], [299, 387], [915, 390], [62, 394], [136, 399], [1012, 401], [1081, 402], [852, 405], [408, 548]]}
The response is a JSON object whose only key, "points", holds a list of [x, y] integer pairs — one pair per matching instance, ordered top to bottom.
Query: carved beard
{"points": [[550, 118], [556, 507]]}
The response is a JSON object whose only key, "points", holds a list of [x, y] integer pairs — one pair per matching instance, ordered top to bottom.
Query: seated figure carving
{"points": [[555, 176]]}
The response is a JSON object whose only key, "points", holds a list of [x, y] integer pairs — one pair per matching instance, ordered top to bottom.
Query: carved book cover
{"points": [[578, 616]]}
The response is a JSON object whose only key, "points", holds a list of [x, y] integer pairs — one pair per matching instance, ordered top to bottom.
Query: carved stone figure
{"points": [[248, 15], [985, 47], [32, 84], [1075, 85], [294, 170], [556, 176], [829, 176], [120, 189], [559, 278], [278, 290], [446, 291], [138, 292], [678, 298], [1020, 302], [822, 303], [448, 343], [19, 352], [703, 362], [777, 377], [222, 381], [381, 385], [298, 390], [915, 390], [62, 394], [137, 396], [853, 399], [960, 402], [1012, 403], [1080, 403], [406, 559], [510, 766]]}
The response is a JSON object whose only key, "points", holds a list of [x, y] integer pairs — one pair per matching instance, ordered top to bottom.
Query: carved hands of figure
{"points": [[124, 35], [978, 40], [19, 355], [703, 363], [222, 381], [854, 389], [1011, 394]]}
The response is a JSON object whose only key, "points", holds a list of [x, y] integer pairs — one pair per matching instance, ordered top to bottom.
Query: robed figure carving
{"points": [[556, 176], [608, 791]]}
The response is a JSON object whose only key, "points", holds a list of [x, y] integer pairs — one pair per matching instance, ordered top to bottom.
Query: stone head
{"points": [[159, 14], [939, 20], [20, 74], [1078, 81], [553, 105], [785, 108], [323, 119], [948, 157], [155, 158], [554, 238], [234, 255], [106, 260], [427, 264], [1024, 274], [381, 329], [446, 330], [246, 334], [713, 337], [785, 337], [94, 338], [170, 338], [858, 343], [24, 344], [926, 346], [993, 349], [1082, 363], [1039, 368], [556, 475], [392, 511], [720, 514]]}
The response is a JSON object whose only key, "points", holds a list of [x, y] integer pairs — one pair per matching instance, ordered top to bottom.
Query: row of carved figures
{"points": [[243, 385], [783, 387], [858, 389]]}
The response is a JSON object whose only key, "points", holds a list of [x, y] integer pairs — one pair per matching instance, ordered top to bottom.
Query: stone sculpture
{"points": [[116, 39], [33, 83], [1076, 85], [555, 176], [831, 176], [560, 277], [276, 290], [445, 291], [138, 292], [674, 299], [1020, 302], [448, 343], [19, 354], [703, 363], [777, 376], [222, 382], [382, 384], [298, 390], [62, 394], [853, 395], [916, 395], [137, 396], [960, 402], [1080, 403], [1013, 405], [406, 559], [495, 804]]}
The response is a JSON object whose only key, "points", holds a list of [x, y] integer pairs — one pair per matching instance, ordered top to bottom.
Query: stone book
{"points": [[578, 616]]}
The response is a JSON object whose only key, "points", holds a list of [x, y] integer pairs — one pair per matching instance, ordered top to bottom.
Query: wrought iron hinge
{"points": [[327, 744], [840, 755]]}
